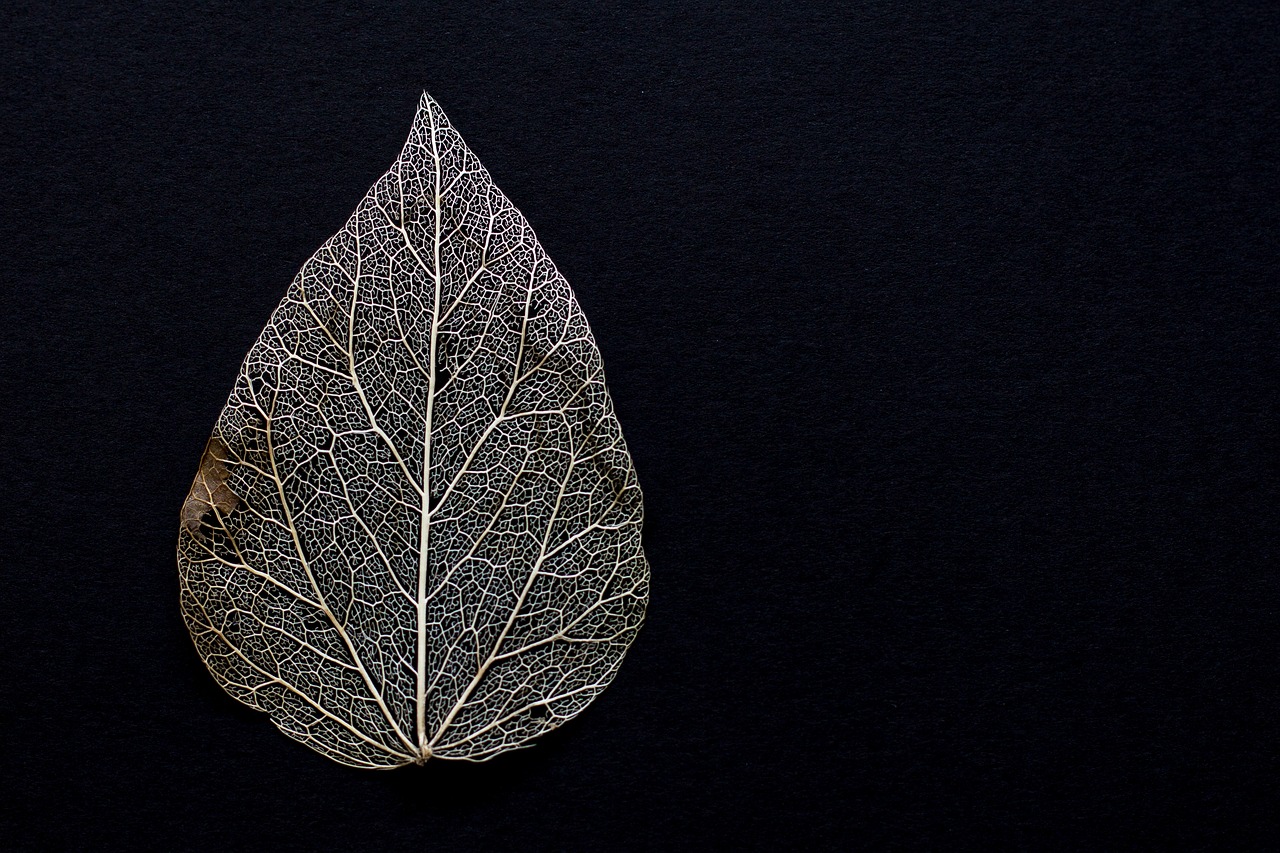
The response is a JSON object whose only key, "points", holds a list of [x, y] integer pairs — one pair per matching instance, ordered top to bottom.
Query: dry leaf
{"points": [[415, 531]]}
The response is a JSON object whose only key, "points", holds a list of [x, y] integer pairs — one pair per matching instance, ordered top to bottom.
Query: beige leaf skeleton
{"points": [[415, 531]]}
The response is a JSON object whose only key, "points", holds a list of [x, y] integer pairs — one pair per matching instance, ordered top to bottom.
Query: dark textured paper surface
{"points": [[945, 340]]}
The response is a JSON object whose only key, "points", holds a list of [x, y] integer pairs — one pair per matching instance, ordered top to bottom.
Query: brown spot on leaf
{"points": [[210, 490]]}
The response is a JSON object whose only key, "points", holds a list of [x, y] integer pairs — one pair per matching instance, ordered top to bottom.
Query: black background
{"points": [[943, 336]]}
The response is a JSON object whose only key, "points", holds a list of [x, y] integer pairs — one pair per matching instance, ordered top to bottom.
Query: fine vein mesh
{"points": [[416, 528]]}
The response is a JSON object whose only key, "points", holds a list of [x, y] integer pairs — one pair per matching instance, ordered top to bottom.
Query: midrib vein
{"points": [[425, 536]]}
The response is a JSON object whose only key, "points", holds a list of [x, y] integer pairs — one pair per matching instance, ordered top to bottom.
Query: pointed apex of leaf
{"points": [[425, 106], [430, 114]]}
